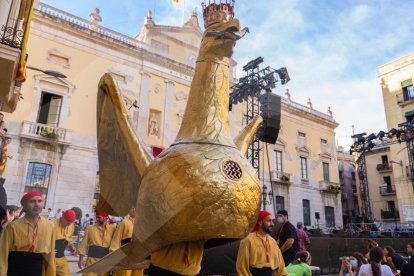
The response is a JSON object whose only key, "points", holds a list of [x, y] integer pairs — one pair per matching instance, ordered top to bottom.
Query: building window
{"points": [[408, 90], [49, 109], [301, 134], [324, 141], [384, 159], [278, 161], [304, 167], [325, 167], [38, 178], [387, 187], [280, 203], [391, 205], [306, 212], [330, 216]]}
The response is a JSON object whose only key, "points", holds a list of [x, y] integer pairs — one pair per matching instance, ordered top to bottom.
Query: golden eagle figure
{"points": [[200, 188]]}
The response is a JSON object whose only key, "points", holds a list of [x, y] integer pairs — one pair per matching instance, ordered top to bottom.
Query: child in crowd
{"points": [[300, 266]]}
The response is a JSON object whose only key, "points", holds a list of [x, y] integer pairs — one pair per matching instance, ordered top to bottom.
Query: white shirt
{"points": [[51, 215], [366, 270]]}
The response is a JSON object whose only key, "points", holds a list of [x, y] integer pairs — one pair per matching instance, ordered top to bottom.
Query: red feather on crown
{"points": [[217, 11]]}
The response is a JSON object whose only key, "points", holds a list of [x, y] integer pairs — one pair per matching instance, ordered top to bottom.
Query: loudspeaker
{"points": [[270, 109], [317, 215]]}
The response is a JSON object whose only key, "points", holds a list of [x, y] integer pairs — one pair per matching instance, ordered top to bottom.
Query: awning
{"points": [[407, 83], [409, 113]]}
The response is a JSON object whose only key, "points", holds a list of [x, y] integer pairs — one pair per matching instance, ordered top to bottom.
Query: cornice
{"points": [[176, 29], [90, 35], [173, 39], [309, 116]]}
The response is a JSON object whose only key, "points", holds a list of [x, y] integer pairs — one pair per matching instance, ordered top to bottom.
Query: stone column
{"points": [[144, 104], [168, 131]]}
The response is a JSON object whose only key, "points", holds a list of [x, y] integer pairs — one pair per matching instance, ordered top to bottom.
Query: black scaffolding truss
{"points": [[249, 89], [364, 144]]}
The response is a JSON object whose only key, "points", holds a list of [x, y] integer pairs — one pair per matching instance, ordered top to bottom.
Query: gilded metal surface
{"points": [[243, 140], [122, 158], [187, 193]]}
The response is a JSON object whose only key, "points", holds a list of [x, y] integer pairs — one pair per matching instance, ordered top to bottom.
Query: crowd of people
{"points": [[32, 244], [35, 245], [378, 261]]}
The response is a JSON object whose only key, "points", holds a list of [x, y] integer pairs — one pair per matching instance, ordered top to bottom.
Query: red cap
{"points": [[29, 196], [101, 214], [69, 215], [262, 215]]}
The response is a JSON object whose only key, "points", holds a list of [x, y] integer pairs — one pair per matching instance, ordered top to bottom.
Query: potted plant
{"points": [[52, 136], [285, 178], [334, 188]]}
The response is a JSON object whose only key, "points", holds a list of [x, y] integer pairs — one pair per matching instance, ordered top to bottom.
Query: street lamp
{"points": [[48, 72], [265, 194]]}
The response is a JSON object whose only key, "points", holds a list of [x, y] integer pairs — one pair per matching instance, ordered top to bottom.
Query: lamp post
{"points": [[48, 72], [265, 194]]}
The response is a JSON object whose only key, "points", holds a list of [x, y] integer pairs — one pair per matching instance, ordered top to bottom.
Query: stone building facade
{"points": [[154, 71], [396, 78], [348, 181]]}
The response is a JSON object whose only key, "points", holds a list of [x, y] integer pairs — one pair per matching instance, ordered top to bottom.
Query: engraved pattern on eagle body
{"points": [[185, 192]]}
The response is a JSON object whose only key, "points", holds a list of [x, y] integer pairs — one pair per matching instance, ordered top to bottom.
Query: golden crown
{"points": [[217, 11]]}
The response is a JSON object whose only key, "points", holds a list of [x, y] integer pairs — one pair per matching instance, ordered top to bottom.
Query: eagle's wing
{"points": [[123, 158]]}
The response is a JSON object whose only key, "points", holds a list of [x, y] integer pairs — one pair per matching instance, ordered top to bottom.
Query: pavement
{"points": [[73, 264]]}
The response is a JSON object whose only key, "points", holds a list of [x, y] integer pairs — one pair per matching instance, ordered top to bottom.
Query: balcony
{"points": [[12, 37], [403, 100], [46, 133], [384, 167], [280, 177], [329, 187], [386, 190], [393, 214]]}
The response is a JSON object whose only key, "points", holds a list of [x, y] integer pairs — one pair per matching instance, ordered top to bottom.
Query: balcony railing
{"points": [[84, 24], [12, 27], [404, 99], [304, 108], [45, 133], [384, 167], [281, 177], [330, 187], [387, 190], [393, 214]]}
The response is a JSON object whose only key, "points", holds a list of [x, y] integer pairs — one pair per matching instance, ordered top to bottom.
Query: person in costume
{"points": [[64, 228], [123, 235], [95, 243], [27, 244], [259, 254], [183, 258]]}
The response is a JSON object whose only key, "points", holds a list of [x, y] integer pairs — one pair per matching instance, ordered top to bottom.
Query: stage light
{"points": [[253, 64], [283, 75], [392, 132], [358, 135], [381, 135], [371, 137], [360, 139], [368, 146]]}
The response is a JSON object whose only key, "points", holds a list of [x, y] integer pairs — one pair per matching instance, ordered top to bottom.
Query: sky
{"points": [[332, 49]]}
